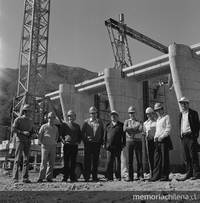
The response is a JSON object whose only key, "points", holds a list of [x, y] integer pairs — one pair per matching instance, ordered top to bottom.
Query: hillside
{"points": [[56, 74]]}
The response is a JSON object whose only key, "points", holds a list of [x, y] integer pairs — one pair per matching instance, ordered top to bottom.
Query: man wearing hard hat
{"points": [[23, 127], [133, 129], [149, 129], [189, 132], [70, 134], [92, 135], [48, 136], [114, 142], [161, 154]]}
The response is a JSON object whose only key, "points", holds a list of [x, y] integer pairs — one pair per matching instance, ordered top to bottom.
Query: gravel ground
{"points": [[102, 191]]}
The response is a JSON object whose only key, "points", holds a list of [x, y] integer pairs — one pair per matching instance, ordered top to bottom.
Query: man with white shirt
{"points": [[189, 132], [48, 136], [92, 136], [161, 154]]}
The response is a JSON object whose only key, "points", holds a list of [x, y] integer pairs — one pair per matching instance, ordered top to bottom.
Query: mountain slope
{"points": [[56, 74]]}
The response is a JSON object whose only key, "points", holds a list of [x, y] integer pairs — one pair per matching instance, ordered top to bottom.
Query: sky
{"points": [[78, 36]]}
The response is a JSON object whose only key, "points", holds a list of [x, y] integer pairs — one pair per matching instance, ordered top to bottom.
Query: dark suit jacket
{"points": [[193, 118], [114, 136]]}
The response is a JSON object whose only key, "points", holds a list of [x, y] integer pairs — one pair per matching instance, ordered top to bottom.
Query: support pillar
{"points": [[185, 70], [122, 93], [70, 98]]}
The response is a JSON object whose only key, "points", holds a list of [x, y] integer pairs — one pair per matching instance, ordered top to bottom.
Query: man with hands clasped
{"points": [[70, 133]]}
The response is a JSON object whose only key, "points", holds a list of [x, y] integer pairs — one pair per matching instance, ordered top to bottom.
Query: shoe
{"points": [[184, 178], [195, 178], [95, 179], [118, 179], [142, 179], [164, 179], [49, 180], [64, 180], [74, 180], [86, 180], [108, 180], [129, 180], [153, 180], [15, 181], [26, 181], [39, 181]]}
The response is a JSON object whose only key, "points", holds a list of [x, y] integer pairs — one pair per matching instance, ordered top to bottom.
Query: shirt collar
{"points": [[184, 112], [159, 117], [132, 119], [91, 120], [150, 120], [114, 123], [50, 124]]}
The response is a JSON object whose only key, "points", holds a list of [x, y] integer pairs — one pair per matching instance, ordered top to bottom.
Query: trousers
{"points": [[22, 148], [91, 152], [48, 153], [70, 155], [113, 155]]}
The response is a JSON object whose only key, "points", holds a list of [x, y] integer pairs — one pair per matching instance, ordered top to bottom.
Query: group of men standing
{"points": [[114, 138]]}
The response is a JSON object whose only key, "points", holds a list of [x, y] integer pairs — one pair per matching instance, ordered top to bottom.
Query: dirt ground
{"points": [[102, 191]]}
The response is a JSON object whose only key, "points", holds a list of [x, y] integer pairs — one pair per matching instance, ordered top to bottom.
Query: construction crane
{"points": [[120, 43], [32, 65]]}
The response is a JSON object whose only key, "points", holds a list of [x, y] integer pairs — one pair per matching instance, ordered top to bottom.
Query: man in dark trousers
{"points": [[133, 128], [149, 129], [189, 132], [70, 134], [92, 135], [114, 142], [161, 154]]}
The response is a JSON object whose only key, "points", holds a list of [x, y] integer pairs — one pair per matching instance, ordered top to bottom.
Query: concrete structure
{"points": [[124, 88]]}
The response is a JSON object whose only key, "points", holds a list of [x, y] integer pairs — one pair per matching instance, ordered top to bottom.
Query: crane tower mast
{"points": [[33, 54]]}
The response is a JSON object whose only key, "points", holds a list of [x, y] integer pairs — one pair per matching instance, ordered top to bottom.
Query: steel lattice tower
{"points": [[33, 54]]}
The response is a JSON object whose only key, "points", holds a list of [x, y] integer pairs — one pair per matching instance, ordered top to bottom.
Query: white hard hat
{"points": [[183, 99], [158, 106], [27, 107], [93, 109], [131, 109], [149, 110], [70, 112], [114, 112], [51, 115]]}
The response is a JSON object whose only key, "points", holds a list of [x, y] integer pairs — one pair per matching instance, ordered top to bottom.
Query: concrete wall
{"points": [[124, 91], [70, 98], [176, 161]]}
